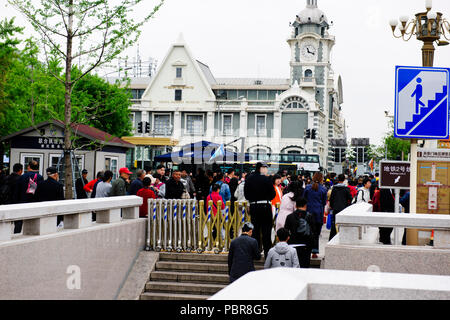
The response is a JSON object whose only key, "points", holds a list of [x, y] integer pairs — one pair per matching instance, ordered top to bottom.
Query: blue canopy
{"points": [[199, 153]]}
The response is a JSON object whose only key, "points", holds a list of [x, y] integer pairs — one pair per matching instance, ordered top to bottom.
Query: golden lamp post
{"points": [[428, 27]]}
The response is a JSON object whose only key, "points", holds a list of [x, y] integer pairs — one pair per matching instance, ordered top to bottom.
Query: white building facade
{"points": [[185, 103]]}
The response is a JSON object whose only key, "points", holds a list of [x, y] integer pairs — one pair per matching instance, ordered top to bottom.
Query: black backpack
{"points": [[304, 229]]}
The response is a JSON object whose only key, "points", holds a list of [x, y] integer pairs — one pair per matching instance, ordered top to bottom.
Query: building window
{"points": [[179, 73], [308, 73], [136, 94], [272, 94], [178, 95], [252, 95], [262, 95], [135, 117], [161, 124], [194, 124], [227, 124], [261, 129], [25, 158], [57, 161], [111, 165]]}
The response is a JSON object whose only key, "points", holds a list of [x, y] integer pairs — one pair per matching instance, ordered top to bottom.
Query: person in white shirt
{"points": [[104, 187], [363, 194]]}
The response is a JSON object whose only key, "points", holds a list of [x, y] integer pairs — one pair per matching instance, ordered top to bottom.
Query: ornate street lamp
{"points": [[428, 27]]}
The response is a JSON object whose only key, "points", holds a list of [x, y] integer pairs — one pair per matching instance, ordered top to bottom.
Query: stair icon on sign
{"points": [[425, 112]]}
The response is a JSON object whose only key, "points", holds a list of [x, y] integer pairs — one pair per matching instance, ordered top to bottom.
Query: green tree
{"points": [[96, 31], [8, 53], [102, 105], [395, 147]]}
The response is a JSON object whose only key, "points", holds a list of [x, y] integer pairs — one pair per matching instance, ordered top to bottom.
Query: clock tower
{"points": [[311, 47], [313, 82]]}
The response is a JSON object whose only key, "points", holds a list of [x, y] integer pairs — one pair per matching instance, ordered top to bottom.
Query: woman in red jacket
{"points": [[214, 196]]}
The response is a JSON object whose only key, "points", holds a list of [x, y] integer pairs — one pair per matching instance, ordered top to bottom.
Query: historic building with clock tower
{"points": [[314, 86], [185, 103]]}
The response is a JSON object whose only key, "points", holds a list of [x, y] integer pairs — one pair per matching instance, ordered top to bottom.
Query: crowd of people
{"points": [[305, 202]]}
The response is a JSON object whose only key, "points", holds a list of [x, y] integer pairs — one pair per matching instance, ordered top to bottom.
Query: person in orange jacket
{"points": [[276, 180]]}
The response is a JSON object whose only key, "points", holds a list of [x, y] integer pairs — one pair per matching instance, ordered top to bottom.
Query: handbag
{"points": [[32, 185], [329, 220]]}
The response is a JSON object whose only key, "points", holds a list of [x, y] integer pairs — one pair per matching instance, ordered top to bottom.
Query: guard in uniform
{"points": [[259, 192]]}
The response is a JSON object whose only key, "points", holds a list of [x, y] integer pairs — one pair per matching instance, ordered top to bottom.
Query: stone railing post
{"points": [[130, 213], [108, 216], [78, 221], [40, 226], [5, 231], [349, 235], [441, 239]]}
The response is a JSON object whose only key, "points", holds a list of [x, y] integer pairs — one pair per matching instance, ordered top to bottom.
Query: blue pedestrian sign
{"points": [[422, 103]]}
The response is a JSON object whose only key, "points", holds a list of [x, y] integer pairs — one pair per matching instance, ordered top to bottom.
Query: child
{"points": [[301, 226], [282, 255]]}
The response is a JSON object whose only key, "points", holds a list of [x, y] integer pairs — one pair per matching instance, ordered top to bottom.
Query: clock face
{"points": [[308, 51]]}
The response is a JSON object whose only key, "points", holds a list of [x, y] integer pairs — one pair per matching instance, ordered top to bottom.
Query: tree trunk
{"points": [[68, 110]]}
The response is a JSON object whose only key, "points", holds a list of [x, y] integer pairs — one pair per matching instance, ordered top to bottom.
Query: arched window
{"points": [[308, 73], [294, 103]]}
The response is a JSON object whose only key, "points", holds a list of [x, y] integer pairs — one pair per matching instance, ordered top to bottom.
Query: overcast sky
{"points": [[247, 38]]}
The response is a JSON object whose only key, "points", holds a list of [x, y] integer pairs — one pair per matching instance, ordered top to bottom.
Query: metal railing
{"points": [[191, 226]]}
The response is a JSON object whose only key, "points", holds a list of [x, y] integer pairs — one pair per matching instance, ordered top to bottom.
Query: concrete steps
{"points": [[189, 276]]}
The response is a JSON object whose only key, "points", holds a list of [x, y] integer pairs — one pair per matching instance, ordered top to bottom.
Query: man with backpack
{"points": [[28, 183], [363, 194], [301, 226], [282, 255]]}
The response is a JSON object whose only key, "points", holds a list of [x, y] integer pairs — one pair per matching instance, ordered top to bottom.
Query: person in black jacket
{"points": [[12, 184], [137, 184], [79, 185], [174, 187], [50, 189], [259, 192], [26, 196], [340, 199], [387, 204], [305, 241], [243, 251]]}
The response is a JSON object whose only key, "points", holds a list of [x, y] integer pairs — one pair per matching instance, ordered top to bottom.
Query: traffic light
{"points": [[140, 127], [147, 127], [308, 134], [313, 134], [366, 155]]}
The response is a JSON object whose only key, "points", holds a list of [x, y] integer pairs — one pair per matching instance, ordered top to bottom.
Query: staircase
{"points": [[424, 111], [191, 276]]}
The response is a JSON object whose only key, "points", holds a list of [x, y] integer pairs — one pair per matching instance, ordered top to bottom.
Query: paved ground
{"points": [[323, 241]]}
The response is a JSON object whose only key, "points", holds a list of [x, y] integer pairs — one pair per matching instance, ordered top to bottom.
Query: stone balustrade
{"points": [[40, 218], [354, 222], [311, 284]]}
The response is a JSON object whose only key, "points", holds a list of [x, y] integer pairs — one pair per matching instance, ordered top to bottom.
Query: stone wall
{"points": [[96, 259]]}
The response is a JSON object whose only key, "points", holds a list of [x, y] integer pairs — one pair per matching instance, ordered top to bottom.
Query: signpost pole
{"points": [[397, 207], [412, 235]]}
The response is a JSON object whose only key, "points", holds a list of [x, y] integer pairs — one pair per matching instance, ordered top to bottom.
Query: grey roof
{"points": [[207, 72], [252, 81], [135, 83]]}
